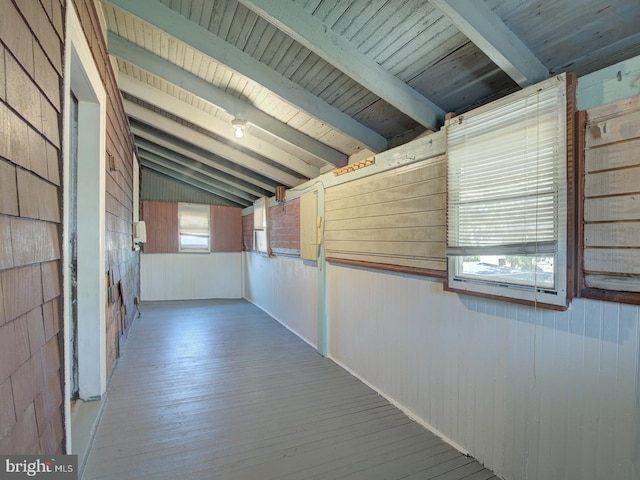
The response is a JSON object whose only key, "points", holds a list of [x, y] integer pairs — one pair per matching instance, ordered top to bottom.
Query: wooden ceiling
{"points": [[323, 82]]}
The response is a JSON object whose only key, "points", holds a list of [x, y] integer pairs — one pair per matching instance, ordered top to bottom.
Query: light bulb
{"points": [[238, 125]]}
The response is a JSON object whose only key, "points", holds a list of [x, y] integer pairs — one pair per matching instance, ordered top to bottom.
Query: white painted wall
{"points": [[188, 276], [287, 289], [533, 394]]}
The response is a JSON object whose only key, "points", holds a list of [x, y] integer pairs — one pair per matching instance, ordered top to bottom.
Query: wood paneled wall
{"points": [[31, 69], [161, 219], [394, 220], [226, 229], [284, 229], [247, 232], [284, 233], [611, 259], [123, 263]]}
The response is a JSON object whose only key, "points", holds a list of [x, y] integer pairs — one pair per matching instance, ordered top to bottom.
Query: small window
{"points": [[507, 197], [260, 225], [193, 227]]}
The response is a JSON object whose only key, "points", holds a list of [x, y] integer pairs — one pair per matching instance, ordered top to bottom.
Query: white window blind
{"points": [[506, 211], [193, 226]]}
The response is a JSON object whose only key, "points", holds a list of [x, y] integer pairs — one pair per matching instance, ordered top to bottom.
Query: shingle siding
{"points": [[122, 262], [31, 335]]}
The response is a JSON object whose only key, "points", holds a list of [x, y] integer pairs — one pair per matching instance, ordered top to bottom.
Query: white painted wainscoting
{"points": [[190, 276], [287, 289], [533, 394]]}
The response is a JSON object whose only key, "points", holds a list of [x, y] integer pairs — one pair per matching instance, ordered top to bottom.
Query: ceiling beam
{"points": [[307, 30], [192, 34], [490, 34], [161, 68], [210, 123], [203, 141], [153, 151], [240, 173], [179, 175], [202, 180], [232, 184]]}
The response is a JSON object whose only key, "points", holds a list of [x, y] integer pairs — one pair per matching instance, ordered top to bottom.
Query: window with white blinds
{"points": [[506, 209], [261, 225], [193, 227]]}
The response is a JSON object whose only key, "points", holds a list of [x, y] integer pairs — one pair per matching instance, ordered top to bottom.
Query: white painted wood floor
{"points": [[219, 390]]}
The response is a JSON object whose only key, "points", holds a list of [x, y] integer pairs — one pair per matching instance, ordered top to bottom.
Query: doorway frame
{"points": [[83, 78]]}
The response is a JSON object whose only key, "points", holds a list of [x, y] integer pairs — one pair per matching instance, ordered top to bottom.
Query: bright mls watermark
{"points": [[45, 467]]}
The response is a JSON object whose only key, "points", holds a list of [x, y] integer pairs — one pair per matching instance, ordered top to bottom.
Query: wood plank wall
{"points": [[31, 69], [612, 198], [161, 219], [393, 220], [226, 229], [247, 232], [284, 233], [123, 270]]}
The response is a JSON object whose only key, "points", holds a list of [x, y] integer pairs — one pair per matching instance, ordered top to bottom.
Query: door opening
{"points": [[73, 246]]}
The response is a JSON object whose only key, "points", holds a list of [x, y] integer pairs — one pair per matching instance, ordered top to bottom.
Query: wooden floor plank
{"points": [[217, 389]]}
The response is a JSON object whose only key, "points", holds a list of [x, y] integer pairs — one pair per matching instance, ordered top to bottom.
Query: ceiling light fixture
{"points": [[239, 125]]}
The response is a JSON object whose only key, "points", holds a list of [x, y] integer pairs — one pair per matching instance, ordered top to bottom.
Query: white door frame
{"points": [[82, 76]]}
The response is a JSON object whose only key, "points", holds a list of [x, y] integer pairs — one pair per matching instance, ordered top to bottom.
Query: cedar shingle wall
{"points": [[31, 59], [122, 262]]}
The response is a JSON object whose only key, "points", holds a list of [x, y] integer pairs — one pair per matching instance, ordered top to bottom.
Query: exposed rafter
{"points": [[292, 19], [181, 28], [489, 33], [161, 68], [208, 122], [169, 142], [208, 143], [153, 151], [183, 177], [200, 178], [225, 181], [219, 188]]}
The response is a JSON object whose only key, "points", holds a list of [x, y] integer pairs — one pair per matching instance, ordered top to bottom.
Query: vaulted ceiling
{"points": [[323, 82]]}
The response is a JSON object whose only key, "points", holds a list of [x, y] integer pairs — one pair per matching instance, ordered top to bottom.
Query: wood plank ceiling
{"points": [[323, 82]]}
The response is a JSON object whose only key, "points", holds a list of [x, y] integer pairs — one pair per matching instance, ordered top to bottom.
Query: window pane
{"points": [[504, 173], [506, 185], [193, 224], [260, 225], [522, 270]]}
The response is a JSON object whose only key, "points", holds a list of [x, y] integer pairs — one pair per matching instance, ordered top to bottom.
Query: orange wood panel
{"points": [[162, 227], [285, 228], [226, 229], [247, 232]]}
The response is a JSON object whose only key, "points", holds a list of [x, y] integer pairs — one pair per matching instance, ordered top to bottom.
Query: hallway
{"points": [[219, 390]]}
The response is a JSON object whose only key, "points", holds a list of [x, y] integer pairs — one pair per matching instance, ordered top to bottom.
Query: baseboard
{"points": [[315, 347], [408, 412], [85, 417]]}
